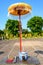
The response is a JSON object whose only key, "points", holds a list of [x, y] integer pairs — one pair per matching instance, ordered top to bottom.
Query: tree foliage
{"points": [[35, 24], [12, 26], [25, 31], [1, 33]]}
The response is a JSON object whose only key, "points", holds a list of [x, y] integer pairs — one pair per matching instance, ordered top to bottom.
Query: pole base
{"points": [[23, 56]]}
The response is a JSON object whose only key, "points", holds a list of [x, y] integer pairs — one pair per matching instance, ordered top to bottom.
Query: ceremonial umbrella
{"points": [[19, 9]]}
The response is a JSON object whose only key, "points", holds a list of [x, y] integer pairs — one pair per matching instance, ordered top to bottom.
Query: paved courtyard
{"points": [[34, 48]]}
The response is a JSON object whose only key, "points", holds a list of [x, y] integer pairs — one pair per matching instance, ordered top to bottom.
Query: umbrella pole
{"points": [[20, 33]]}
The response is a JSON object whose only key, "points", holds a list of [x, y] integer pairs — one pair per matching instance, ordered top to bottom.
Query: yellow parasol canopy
{"points": [[19, 9]]}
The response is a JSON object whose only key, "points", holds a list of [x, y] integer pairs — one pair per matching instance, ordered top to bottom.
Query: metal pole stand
{"points": [[22, 55]]}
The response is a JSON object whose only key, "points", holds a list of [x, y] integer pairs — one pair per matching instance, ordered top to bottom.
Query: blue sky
{"points": [[37, 10]]}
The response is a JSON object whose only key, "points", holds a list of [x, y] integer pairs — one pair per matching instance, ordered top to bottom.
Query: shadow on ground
{"points": [[1, 52], [39, 52]]}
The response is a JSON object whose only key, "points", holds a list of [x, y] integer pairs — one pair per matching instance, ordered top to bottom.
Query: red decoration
{"points": [[9, 61]]}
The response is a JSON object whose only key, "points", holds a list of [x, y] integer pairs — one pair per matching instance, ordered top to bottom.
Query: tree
{"points": [[35, 24], [12, 26], [25, 31], [1, 33]]}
